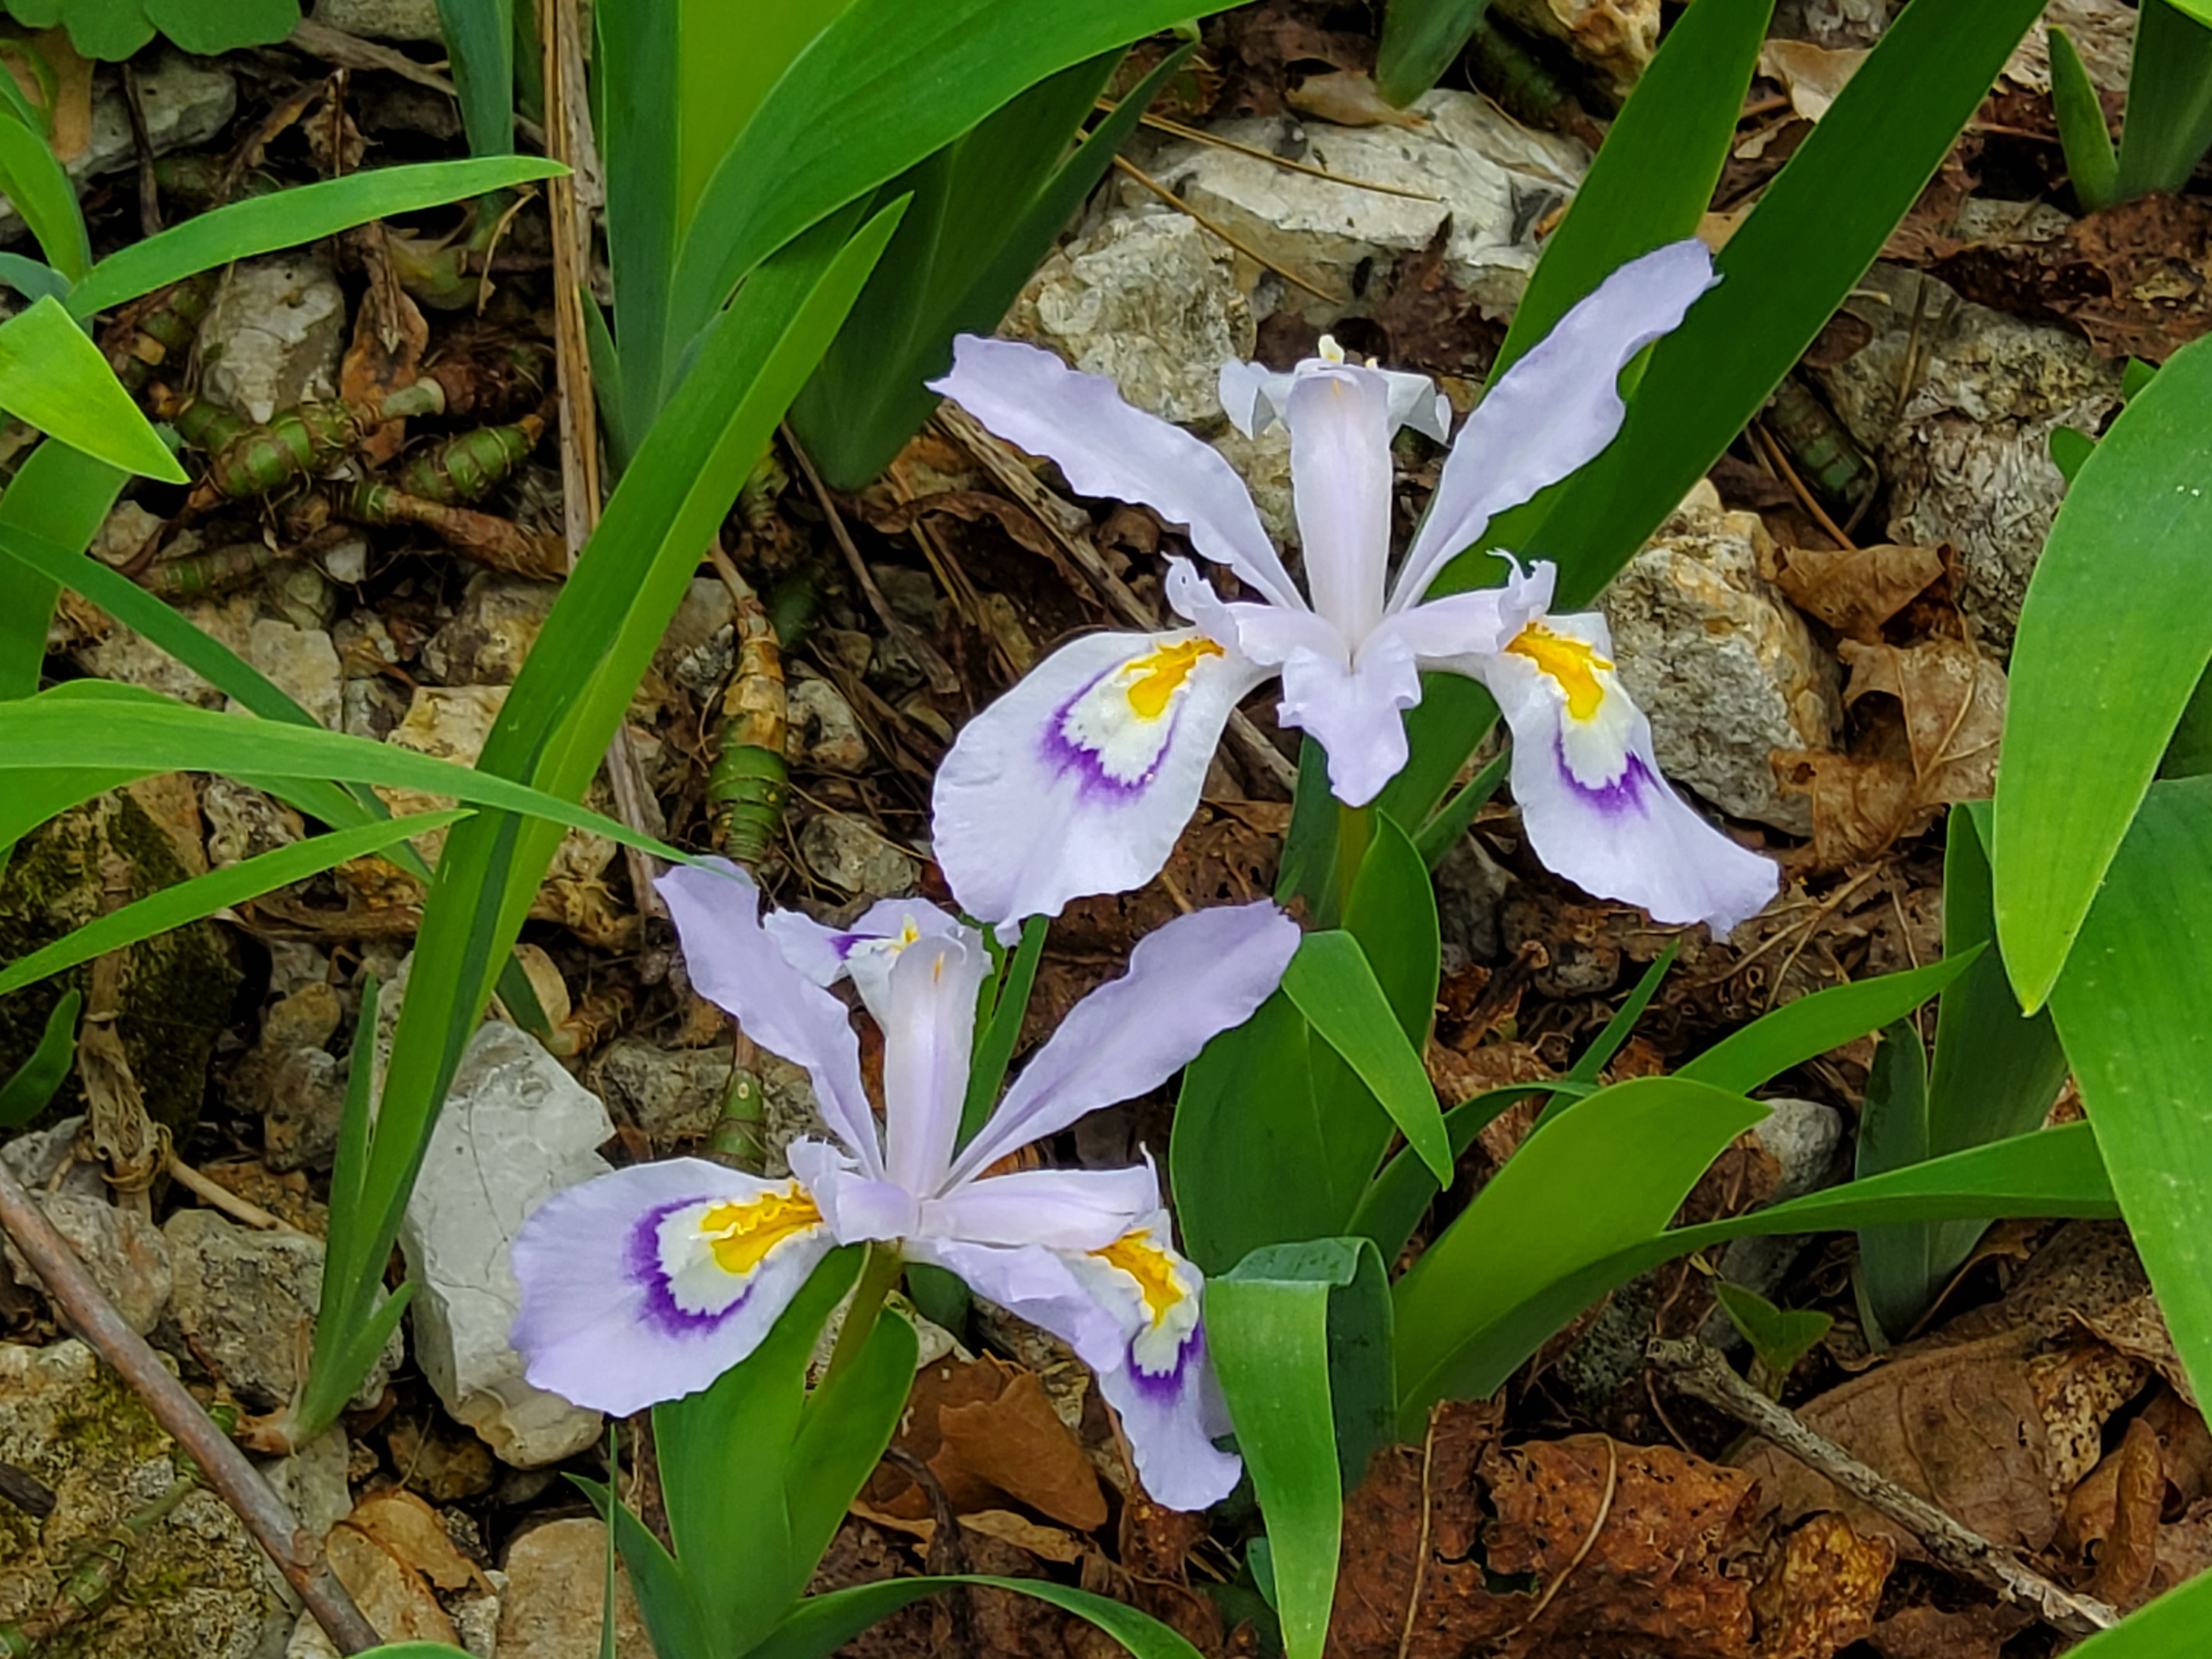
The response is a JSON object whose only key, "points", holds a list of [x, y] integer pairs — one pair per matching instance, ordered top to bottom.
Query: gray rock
{"points": [[383, 19], [1831, 23], [2103, 33], [187, 101], [1492, 177], [1149, 301], [275, 335], [1968, 457], [1264, 464], [124, 533], [299, 594], [491, 632], [700, 645], [135, 661], [301, 663], [1724, 667], [823, 732], [242, 822], [849, 855], [293, 1083], [672, 1094], [788, 1101], [516, 1129], [1806, 1138], [37, 1158], [124, 1253], [244, 1305], [311, 1481], [194, 1584], [555, 1604]]}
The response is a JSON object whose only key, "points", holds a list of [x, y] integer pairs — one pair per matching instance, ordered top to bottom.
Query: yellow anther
{"points": [[1573, 665], [1156, 678], [744, 1233], [1135, 1254]]}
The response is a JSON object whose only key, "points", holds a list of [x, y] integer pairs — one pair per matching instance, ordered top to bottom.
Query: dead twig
{"points": [[335, 46], [1197, 135], [1696, 1370], [297, 1552]]}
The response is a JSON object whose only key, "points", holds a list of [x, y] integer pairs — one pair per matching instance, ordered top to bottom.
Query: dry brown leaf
{"points": [[1813, 75], [1348, 98], [389, 338], [1856, 591], [1016, 1443], [410, 1529], [1047, 1543], [2129, 1558], [1822, 1594], [393, 1597], [1929, 1633]]}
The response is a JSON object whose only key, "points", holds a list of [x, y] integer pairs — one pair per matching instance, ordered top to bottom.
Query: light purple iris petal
{"points": [[1254, 397], [1554, 410], [1340, 422], [1108, 448], [1441, 632], [1357, 715], [1026, 820], [1626, 836], [825, 954], [738, 967], [1197, 977], [927, 1040], [857, 1208], [1066, 1209], [599, 1325]]}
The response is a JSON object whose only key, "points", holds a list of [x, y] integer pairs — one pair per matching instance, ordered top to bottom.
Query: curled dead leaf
{"points": [[1856, 591]]}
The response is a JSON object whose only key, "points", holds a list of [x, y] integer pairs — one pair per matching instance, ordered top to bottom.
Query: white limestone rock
{"points": [[275, 335]]}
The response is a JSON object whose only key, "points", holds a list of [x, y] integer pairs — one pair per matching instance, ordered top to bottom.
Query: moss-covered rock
{"points": [[179, 986], [194, 1582]]}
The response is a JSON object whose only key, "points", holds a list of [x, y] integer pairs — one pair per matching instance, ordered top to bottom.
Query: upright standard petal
{"points": [[1254, 397], [1554, 411], [1340, 422], [1108, 448], [1078, 779], [1593, 802], [866, 950], [735, 965], [1197, 977], [927, 1039], [649, 1282], [1130, 1309]]}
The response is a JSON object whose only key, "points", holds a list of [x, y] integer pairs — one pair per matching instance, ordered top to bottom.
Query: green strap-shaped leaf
{"points": [[1420, 38], [480, 43], [2169, 116], [2090, 162], [34, 180], [290, 217], [55, 379], [63, 496], [2077, 756], [204, 895], [1331, 982], [2130, 1009], [1796, 1031], [995, 1038], [34, 1084], [1394, 1203], [1896, 1271], [1300, 1335], [848, 1422], [672, 1617], [821, 1625], [2172, 1627]]}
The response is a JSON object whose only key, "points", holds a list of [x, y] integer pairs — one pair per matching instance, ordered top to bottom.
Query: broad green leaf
{"points": [[209, 28], [1420, 39], [480, 43], [635, 73], [895, 83], [2168, 124], [2090, 162], [34, 180], [1649, 183], [286, 218], [32, 279], [53, 378], [61, 496], [51, 732], [2080, 748], [2190, 753], [1442, 832], [204, 895], [1330, 982], [2130, 1008], [1796, 1031], [1607, 1043], [34, 1084], [1245, 1150], [2052, 1173], [1607, 1176], [1394, 1203], [1897, 1273], [1300, 1335], [1780, 1337], [846, 1423], [730, 1470], [672, 1614], [821, 1625], [2172, 1627]]}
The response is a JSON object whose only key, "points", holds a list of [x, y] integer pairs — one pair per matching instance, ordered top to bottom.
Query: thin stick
{"points": [[1199, 135], [1205, 223], [1805, 499], [941, 677], [213, 1192], [1697, 1371], [1421, 1550], [297, 1552]]}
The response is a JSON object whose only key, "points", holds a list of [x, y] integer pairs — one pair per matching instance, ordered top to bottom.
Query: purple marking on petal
{"points": [[1095, 781], [1628, 794], [660, 1307], [1165, 1386]]}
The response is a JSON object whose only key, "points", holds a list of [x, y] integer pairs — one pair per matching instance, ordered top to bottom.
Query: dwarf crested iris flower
{"points": [[1080, 780], [649, 1282]]}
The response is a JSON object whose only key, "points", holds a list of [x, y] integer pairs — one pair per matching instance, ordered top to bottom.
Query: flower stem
{"points": [[1355, 830], [877, 1275]]}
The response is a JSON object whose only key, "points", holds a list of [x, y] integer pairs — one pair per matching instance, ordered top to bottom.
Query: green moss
{"points": [[178, 991]]}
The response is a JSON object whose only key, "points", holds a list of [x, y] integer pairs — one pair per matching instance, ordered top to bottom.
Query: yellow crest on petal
{"points": [[1571, 665], [1156, 677], [744, 1233], [1153, 1269]]}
